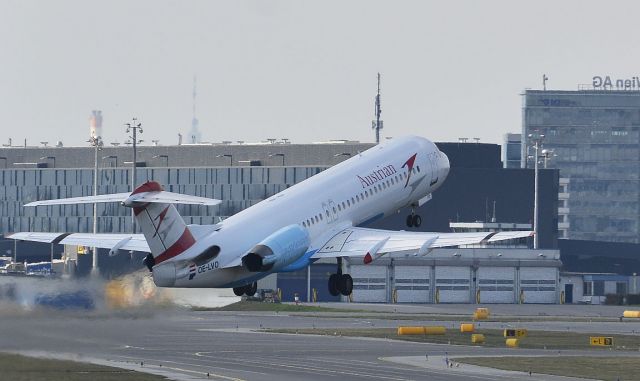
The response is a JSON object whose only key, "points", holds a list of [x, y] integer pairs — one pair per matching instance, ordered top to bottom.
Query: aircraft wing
{"points": [[135, 242], [373, 243]]}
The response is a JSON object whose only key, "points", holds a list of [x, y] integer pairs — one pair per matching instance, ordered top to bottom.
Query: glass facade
{"points": [[594, 137], [238, 187]]}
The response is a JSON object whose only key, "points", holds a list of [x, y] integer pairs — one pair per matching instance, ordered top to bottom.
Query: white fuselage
{"points": [[365, 187]]}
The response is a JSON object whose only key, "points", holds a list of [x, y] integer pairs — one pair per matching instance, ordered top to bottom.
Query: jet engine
{"points": [[278, 250], [165, 274]]}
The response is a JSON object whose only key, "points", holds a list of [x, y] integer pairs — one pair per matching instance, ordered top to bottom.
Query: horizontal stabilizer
{"points": [[129, 199]]}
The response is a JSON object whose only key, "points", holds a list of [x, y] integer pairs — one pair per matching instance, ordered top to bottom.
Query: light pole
{"points": [[134, 127], [536, 138], [96, 142], [278, 154], [547, 154], [230, 158], [51, 271]]}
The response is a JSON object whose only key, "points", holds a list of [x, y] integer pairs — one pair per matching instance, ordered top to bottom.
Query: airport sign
{"points": [[515, 332], [601, 341]]}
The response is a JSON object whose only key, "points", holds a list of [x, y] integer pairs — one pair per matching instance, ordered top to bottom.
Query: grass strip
{"points": [[317, 312], [493, 338], [22, 368], [600, 368]]}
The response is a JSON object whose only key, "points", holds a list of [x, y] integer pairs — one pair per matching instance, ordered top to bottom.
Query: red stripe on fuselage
{"points": [[183, 243]]}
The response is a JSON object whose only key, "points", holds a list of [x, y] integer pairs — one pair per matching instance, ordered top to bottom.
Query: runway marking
{"points": [[386, 366], [297, 367], [467, 373], [203, 374]]}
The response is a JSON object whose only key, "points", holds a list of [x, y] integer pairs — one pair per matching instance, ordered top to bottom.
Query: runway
{"points": [[191, 344]]}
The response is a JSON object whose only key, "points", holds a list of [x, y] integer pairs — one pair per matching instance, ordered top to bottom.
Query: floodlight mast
{"points": [[134, 127], [537, 139], [97, 143]]}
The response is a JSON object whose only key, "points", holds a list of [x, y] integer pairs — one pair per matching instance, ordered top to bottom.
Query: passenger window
{"points": [[418, 167], [353, 201], [348, 203], [343, 205], [339, 208], [304, 224]]}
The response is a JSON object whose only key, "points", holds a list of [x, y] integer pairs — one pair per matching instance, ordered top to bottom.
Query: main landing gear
{"points": [[414, 220], [340, 283], [249, 289]]}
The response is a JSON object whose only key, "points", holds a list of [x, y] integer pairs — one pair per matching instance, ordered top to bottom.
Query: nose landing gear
{"points": [[340, 283], [248, 290]]}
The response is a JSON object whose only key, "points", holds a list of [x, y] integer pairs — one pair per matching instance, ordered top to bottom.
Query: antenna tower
{"points": [[377, 124]]}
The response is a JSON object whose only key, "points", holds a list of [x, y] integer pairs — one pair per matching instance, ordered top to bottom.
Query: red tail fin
{"points": [[162, 226]]}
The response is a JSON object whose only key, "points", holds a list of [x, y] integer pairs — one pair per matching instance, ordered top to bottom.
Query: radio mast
{"points": [[377, 124]]}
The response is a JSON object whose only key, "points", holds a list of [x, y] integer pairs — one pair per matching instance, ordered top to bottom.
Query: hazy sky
{"points": [[304, 70]]}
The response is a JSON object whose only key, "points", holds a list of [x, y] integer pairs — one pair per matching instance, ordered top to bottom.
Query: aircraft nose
{"points": [[444, 165]]}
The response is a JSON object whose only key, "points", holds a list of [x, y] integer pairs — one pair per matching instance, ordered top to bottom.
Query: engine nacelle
{"points": [[278, 250], [164, 274]]}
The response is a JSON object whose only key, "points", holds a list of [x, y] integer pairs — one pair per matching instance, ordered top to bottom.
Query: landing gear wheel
{"points": [[410, 220], [417, 221], [333, 284], [346, 284], [250, 289], [239, 291]]}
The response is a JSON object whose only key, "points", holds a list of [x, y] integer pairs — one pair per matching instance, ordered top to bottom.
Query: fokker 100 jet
{"points": [[322, 217]]}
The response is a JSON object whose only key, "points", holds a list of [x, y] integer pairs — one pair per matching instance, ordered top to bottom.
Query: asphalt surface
{"points": [[188, 345]]}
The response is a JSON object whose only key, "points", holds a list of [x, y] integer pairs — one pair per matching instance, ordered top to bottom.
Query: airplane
{"points": [[323, 216]]}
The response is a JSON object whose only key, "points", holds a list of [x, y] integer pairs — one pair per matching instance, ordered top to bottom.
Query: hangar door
{"points": [[369, 283], [412, 284], [453, 284], [496, 284], [538, 284]]}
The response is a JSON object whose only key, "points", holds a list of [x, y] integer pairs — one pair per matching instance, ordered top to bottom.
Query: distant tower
{"points": [[95, 124], [377, 124], [194, 133]]}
